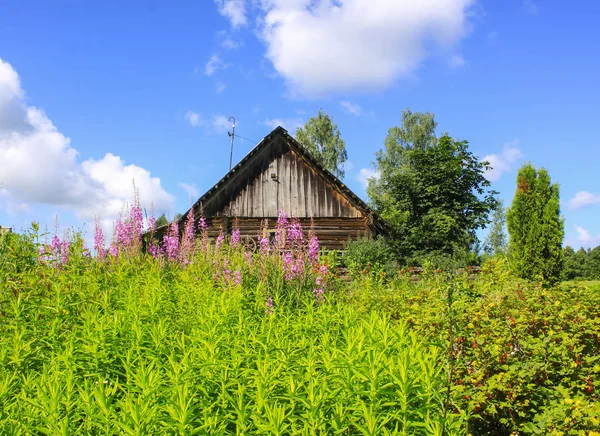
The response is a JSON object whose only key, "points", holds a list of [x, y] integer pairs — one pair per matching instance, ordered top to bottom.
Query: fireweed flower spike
{"points": [[281, 230], [235, 237], [220, 239], [99, 240], [171, 241], [187, 245], [269, 305]]}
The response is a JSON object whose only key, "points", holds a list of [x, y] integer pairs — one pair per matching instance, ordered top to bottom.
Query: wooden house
{"points": [[279, 174]]}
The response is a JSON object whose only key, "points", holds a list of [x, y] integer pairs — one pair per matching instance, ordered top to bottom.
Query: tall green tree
{"points": [[321, 136], [431, 191], [535, 226], [496, 242]]}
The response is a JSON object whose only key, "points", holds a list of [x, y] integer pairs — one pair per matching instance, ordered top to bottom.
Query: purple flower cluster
{"points": [[281, 230], [294, 233], [235, 237], [220, 239], [171, 241], [188, 241], [99, 246], [313, 249], [293, 265], [226, 276], [319, 294], [269, 305]]}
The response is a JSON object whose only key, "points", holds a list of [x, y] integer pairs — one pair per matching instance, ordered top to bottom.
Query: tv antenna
{"points": [[232, 134]]}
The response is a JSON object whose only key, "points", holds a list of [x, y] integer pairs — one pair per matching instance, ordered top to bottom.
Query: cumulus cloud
{"points": [[531, 7], [234, 11], [326, 46], [457, 61], [214, 64], [220, 86], [351, 108], [193, 118], [220, 123], [289, 124], [504, 161], [39, 165], [348, 166], [365, 174], [191, 189], [583, 199], [585, 238]]}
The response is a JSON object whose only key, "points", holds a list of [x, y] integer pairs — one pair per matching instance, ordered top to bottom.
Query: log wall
{"points": [[290, 185]]}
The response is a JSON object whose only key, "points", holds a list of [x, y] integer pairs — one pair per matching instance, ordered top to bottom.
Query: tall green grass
{"points": [[142, 346]]}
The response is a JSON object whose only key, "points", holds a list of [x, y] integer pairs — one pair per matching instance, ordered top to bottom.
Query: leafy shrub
{"points": [[366, 253], [141, 345], [525, 359]]}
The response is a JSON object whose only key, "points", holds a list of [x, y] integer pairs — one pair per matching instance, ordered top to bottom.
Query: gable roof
{"points": [[275, 142]]}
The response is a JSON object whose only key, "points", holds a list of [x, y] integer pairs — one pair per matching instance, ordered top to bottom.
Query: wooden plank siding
{"points": [[281, 175], [297, 189]]}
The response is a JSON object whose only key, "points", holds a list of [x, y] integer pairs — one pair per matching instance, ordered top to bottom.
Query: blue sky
{"points": [[95, 95]]}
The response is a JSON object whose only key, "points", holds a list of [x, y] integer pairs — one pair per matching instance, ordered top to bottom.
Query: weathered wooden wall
{"points": [[297, 190], [333, 233]]}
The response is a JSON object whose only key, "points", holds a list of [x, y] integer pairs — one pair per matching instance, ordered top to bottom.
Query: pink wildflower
{"points": [[136, 223], [281, 229], [294, 232], [235, 237], [220, 239], [99, 241], [171, 241], [187, 244], [313, 249], [64, 251], [238, 278], [319, 294], [269, 305]]}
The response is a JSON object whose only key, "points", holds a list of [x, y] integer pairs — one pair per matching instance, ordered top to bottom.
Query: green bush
{"points": [[369, 253], [145, 346], [525, 359]]}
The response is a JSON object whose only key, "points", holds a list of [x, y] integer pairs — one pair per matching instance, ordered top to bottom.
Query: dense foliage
{"points": [[321, 136], [431, 191], [535, 227], [496, 242], [581, 264], [204, 338], [220, 341], [525, 359]]}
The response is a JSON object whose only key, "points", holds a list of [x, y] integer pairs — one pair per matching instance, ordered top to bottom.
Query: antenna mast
{"points": [[232, 134]]}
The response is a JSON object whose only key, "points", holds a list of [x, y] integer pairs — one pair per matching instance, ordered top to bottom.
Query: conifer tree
{"points": [[535, 227]]}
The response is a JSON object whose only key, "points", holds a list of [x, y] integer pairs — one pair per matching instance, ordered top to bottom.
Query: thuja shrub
{"points": [[136, 344], [523, 359]]}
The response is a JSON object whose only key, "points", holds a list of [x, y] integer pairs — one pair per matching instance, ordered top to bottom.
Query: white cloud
{"points": [[531, 7], [234, 11], [493, 36], [231, 44], [327, 46], [456, 61], [214, 64], [220, 86], [351, 108], [193, 118], [220, 123], [289, 124], [503, 162], [40, 166], [348, 166], [365, 174], [191, 189], [583, 199], [585, 239]]}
